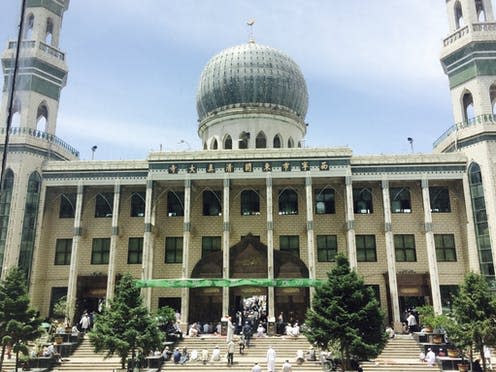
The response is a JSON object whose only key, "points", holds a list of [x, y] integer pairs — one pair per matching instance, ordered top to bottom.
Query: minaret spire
{"points": [[250, 24]]}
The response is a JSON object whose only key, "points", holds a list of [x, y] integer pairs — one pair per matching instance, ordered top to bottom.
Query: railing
{"points": [[475, 27], [30, 44], [477, 120], [18, 131]]}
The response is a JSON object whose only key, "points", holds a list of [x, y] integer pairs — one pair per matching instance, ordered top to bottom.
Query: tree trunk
{"points": [[2, 356], [17, 360]]}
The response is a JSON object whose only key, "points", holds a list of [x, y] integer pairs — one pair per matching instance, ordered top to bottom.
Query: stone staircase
{"points": [[285, 348], [400, 354], [84, 359]]}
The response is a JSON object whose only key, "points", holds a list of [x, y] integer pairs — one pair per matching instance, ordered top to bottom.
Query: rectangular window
{"points": [[362, 200], [400, 200], [440, 200], [325, 201], [175, 203], [103, 204], [138, 204], [67, 205], [212, 205], [210, 244], [290, 244], [445, 247], [327, 248], [365, 248], [404, 248], [63, 249], [173, 249], [100, 251], [135, 251], [377, 291], [448, 293], [56, 295]]}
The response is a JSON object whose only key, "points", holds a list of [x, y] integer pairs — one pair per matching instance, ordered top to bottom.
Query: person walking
{"points": [[85, 322], [230, 329], [230, 353], [271, 360], [286, 367], [256, 368]]}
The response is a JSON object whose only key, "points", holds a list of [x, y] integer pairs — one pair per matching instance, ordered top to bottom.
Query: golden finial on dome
{"points": [[250, 24]]}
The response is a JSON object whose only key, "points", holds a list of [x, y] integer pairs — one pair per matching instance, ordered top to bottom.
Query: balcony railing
{"points": [[474, 27], [30, 44], [477, 120], [18, 131]]}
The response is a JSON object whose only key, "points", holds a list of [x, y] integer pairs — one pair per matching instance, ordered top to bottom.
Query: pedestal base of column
{"points": [[398, 327]]}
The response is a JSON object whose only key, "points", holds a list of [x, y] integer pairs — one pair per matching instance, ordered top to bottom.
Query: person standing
{"points": [[85, 322], [412, 323], [247, 331], [230, 353], [271, 360], [286, 367]]}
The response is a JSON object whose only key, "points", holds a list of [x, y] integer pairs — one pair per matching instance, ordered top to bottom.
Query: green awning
{"points": [[202, 283]]}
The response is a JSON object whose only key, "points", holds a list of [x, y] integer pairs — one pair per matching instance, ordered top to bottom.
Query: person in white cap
{"points": [[430, 358]]}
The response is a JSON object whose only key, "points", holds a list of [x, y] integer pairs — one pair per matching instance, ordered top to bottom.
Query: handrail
{"points": [[474, 27], [477, 120], [23, 131]]}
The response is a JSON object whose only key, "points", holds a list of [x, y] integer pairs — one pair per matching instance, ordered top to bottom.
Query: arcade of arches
{"points": [[248, 259]]}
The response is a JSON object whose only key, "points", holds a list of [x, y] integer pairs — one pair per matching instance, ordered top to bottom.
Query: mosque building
{"points": [[253, 207]]}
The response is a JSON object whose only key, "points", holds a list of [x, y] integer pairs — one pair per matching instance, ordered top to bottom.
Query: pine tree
{"points": [[474, 313], [346, 314], [18, 322], [125, 325]]}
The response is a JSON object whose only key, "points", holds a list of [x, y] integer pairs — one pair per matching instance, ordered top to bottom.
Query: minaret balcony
{"points": [[483, 31], [30, 46], [469, 128], [33, 138]]}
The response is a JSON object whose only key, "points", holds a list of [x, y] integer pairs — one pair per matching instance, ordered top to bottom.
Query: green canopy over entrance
{"points": [[202, 283]]}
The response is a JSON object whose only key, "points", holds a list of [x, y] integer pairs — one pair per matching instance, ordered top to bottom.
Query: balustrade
{"points": [[30, 44], [477, 120], [23, 131]]}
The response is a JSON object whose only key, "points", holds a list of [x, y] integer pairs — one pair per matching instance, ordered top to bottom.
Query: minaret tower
{"points": [[469, 59], [42, 73]]}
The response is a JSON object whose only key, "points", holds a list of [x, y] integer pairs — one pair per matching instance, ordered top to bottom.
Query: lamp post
{"points": [[410, 141], [185, 142], [93, 149]]}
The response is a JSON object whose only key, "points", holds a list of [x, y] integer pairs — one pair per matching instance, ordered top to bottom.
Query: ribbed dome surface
{"points": [[252, 75]]}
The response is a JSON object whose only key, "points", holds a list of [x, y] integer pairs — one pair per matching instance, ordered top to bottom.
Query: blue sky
{"points": [[372, 69]]}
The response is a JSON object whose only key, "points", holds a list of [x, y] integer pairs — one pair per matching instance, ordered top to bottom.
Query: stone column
{"points": [[350, 223], [310, 232], [113, 242], [186, 245], [225, 247], [270, 247], [431, 248], [473, 254], [391, 257], [147, 261], [73, 268]]}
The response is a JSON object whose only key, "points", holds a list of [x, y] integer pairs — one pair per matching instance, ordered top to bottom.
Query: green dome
{"points": [[251, 75]]}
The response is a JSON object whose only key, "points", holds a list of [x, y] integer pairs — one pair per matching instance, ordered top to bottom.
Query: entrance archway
{"points": [[248, 259]]}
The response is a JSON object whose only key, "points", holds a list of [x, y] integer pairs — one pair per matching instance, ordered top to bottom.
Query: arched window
{"points": [[479, 8], [458, 15], [49, 31], [28, 33], [492, 96], [468, 107], [16, 114], [42, 118], [243, 140], [261, 141], [277, 142], [228, 143], [290, 143], [214, 145], [362, 200], [400, 200], [5, 201], [325, 201], [288, 202], [250, 203], [138, 204], [212, 205], [480, 220], [29, 223]]}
